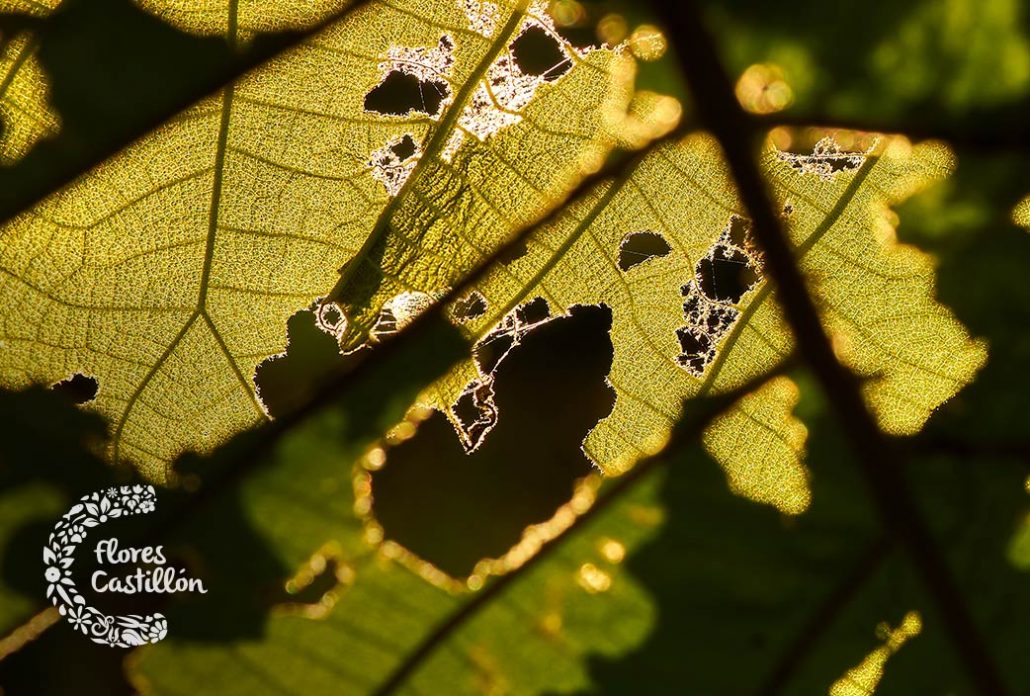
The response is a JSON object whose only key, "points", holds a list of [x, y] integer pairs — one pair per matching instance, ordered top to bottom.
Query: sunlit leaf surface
{"points": [[168, 273], [701, 319]]}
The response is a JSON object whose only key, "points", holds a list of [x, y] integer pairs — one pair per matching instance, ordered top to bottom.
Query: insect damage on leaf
{"points": [[482, 16], [536, 56], [414, 81], [826, 160], [393, 163], [638, 247], [721, 278], [469, 308], [330, 318], [549, 383], [79, 388], [475, 412], [317, 586]]}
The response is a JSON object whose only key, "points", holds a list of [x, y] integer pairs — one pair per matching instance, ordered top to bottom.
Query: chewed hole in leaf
{"points": [[482, 16], [540, 54], [537, 56], [414, 81], [400, 94], [404, 148], [826, 161], [393, 163], [638, 247], [726, 274], [722, 277], [470, 307], [331, 319], [494, 346], [285, 381], [79, 388], [476, 413], [453, 508]]}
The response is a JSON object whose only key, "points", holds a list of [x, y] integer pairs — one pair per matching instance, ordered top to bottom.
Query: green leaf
{"points": [[240, 18], [26, 116], [168, 273], [877, 299]]}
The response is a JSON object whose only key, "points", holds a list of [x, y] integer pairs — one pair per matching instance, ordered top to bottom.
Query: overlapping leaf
{"points": [[25, 112], [168, 273], [699, 319]]}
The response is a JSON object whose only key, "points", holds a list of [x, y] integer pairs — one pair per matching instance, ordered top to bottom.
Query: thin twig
{"points": [[881, 464], [824, 616]]}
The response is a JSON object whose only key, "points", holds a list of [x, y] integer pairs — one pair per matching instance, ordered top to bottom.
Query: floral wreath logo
{"points": [[92, 511]]}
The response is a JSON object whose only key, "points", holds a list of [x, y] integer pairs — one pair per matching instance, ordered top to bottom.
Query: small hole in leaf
{"points": [[540, 54], [400, 94], [405, 148], [638, 247], [726, 274], [470, 307], [79, 388]]}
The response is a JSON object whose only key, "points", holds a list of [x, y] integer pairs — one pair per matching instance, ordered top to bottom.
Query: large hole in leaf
{"points": [[538, 53], [400, 94], [721, 279], [453, 508]]}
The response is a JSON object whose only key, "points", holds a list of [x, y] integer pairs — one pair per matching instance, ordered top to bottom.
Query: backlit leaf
{"points": [[26, 116], [168, 273], [700, 319]]}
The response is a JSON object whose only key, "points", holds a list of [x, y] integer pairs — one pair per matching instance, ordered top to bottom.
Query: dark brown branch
{"points": [[881, 464], [825, 614]]}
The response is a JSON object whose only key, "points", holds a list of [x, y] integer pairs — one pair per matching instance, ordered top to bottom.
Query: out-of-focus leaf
{"points": [[930, 60], [751, 600]]}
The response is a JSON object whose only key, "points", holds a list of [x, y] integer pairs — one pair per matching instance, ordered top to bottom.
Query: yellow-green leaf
{"points": [[241, 19], [26, 116], [168, 272], [676, 339]]}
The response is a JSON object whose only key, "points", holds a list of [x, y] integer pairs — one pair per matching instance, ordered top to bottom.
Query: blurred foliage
{"points": [[671, 584]]}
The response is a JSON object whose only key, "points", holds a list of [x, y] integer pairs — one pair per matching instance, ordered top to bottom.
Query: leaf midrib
{"points": [[436, 143], [200, 310]]}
